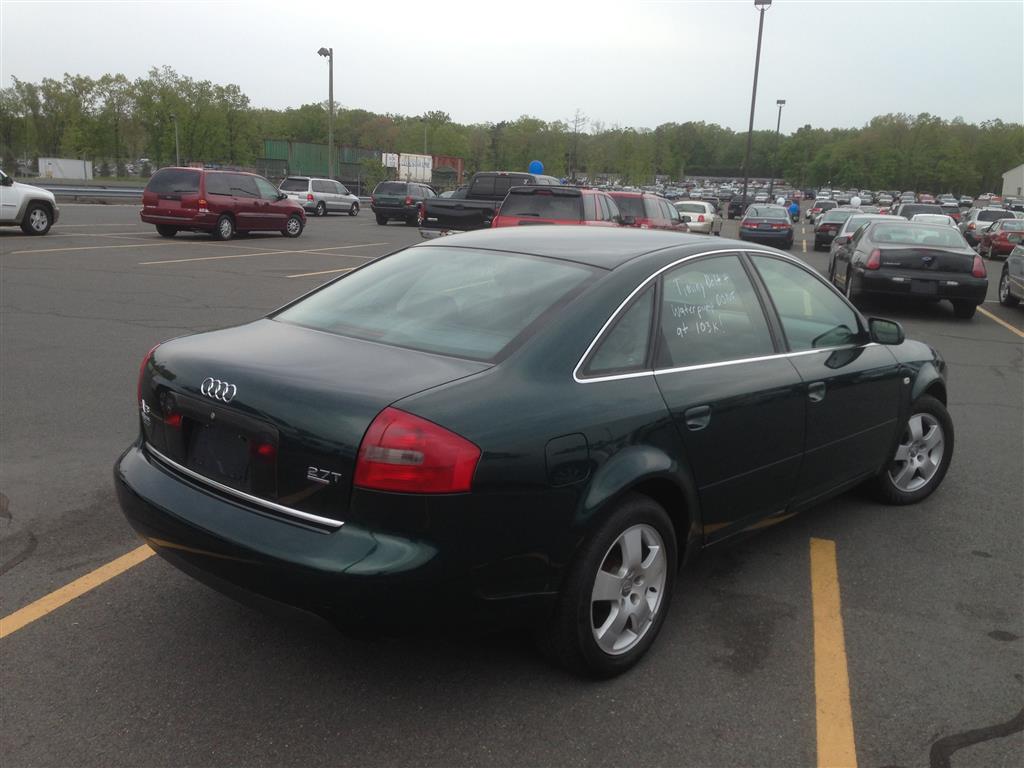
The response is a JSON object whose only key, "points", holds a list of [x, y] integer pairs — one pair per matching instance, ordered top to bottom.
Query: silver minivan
{"points": [[320, 196]]}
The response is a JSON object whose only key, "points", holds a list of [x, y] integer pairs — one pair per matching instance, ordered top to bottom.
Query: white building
{"points": [[1013, 182]]}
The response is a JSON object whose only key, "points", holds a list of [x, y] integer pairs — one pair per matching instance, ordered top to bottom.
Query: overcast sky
{"points": [[632, 63]]}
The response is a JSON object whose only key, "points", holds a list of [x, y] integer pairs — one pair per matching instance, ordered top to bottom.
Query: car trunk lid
{"points": [[922, 258], [285, 433]]}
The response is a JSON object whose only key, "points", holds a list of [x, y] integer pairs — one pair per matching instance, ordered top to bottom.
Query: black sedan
{"points": [[830, 224], [768, 225], [915, 260], [534, 424]]}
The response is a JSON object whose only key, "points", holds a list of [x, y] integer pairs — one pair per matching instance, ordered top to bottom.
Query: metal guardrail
{"points": [[66, 190]]}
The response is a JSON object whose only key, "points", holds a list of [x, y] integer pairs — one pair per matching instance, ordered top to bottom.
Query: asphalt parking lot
{"points": [[151, 668]]}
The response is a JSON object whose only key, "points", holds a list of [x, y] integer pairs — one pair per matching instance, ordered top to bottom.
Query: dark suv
{"points": [[399, 200], [219, 202]]}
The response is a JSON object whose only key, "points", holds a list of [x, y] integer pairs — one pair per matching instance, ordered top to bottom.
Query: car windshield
{"points": [[171, 181], [294, 185], [390, 188], [544, 204], [631, 206], [767, 212], [993, 215], [911, 234], [453, 301]]}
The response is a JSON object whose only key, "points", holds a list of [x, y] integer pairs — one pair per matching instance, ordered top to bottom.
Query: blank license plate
{"points": [[923, 286], [220, 454]]}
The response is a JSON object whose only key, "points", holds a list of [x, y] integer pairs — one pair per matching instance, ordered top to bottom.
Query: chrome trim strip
{"points": [[636, 374], [255, 500]]}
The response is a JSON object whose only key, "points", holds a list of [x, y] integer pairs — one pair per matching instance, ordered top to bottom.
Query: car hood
{"points": [[34, 190]]}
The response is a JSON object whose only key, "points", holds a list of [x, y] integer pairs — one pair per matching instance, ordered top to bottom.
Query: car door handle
{"points": [[816, 391], [697, 418]]}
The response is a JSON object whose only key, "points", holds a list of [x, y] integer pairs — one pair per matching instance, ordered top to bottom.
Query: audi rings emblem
{"points": [[218, 390]]}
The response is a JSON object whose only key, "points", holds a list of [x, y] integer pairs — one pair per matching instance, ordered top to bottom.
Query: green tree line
{"points": [[112, 120]]}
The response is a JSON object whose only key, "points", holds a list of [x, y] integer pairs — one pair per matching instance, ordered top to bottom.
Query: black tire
{"points": [[321, 209], [354, 210], [37, 220], [382, 220], [293, 227], [225, 228], [165, 230], [789, 245], [1006, 298], [964, 309], [885, 487], [569, 637]]}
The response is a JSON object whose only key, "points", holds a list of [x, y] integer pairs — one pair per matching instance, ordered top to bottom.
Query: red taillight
{"points": [[309, 196], [373, 198], [408, 199], [700, 218], [971, 225], [780, 226], [874, 260], [978, 269], [142, 372], [402, 452]]}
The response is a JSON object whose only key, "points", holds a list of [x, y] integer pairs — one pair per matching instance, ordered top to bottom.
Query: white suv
{"points": [[31, 208]]}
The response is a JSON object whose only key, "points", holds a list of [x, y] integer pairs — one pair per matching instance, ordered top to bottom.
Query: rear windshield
{"points": [[174, 181], [295, 185], [390, 188], [825, 204], [543, 205], [630, 206], [689, 208], [767, 212], [994, 215], [834, 216], [1013, 226], [909, 234], [452, 301]]}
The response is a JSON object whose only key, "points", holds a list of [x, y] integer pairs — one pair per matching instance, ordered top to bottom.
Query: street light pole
{"points": [[762, 6], [328, 53], [778, 124], [177, 151]]}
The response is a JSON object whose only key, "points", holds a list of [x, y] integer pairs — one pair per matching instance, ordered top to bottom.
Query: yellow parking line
{"points": [[803, 245], [258, 253], [324, 272], [1006, 325], [51, 602], [834, 717]]}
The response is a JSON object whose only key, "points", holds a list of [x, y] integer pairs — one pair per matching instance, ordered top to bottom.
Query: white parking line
{"points": [[93, 247], [257, 253], [324, 272]]}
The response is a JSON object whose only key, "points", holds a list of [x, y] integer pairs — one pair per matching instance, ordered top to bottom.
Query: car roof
{"points": [[604, 247]]}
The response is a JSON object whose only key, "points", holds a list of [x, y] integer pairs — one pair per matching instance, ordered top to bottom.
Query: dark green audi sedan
{"points": [[533, 424]]}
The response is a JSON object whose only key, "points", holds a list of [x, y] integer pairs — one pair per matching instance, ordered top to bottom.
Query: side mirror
{"points": [[8, 181], [282, 196], [686, 219], [627, 221], [843, 240], [885, 331]]}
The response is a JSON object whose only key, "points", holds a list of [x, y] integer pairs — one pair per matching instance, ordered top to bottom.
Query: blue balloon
{"points": [[536, 166]]}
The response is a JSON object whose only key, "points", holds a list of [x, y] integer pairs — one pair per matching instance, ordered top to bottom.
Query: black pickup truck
{"points": [[487, 189]]}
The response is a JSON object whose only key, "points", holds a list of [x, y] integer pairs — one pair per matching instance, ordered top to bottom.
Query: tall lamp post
{"points": [[762, 6], [328, 53], [177, 151], [775, 160]]}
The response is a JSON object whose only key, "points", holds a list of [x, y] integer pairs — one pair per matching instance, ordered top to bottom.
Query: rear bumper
{"points": [[395, 211], [203, 221], [767, 237], [824, 238], [955, 286], [352, 575]]}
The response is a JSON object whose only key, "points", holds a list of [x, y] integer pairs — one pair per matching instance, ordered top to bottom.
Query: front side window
{"points": [[242, 185], [267, 190], [452, 301], [710, 313], [812, 315], [624, 348]]}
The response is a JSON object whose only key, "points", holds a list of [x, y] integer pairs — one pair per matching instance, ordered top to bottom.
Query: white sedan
{"points": [[704, 217], [933, 218]]}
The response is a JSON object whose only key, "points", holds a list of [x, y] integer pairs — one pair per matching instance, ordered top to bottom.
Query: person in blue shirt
{"points": [[794, 210]]}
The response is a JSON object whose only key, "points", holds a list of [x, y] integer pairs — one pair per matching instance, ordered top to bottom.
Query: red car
{"points": [[219, 202], [537, 204], [647, 211], [1001, 238]]}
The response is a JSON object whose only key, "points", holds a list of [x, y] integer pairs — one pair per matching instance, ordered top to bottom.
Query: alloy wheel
{"points": [[39, 220], [294, 226], [225, 227], [1004, 286], [919, 453], [628, 589]]}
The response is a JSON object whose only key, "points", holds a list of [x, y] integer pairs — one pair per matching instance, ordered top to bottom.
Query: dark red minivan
{"points": [[219, 202]]}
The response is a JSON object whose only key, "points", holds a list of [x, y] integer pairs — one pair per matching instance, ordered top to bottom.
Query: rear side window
{"points": [[174, 181], [217, 184], [292, 185], [322, 185], [390, 188], [543, 204], [453, 301], [710, 313], [812, 315], [624, 347]]}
